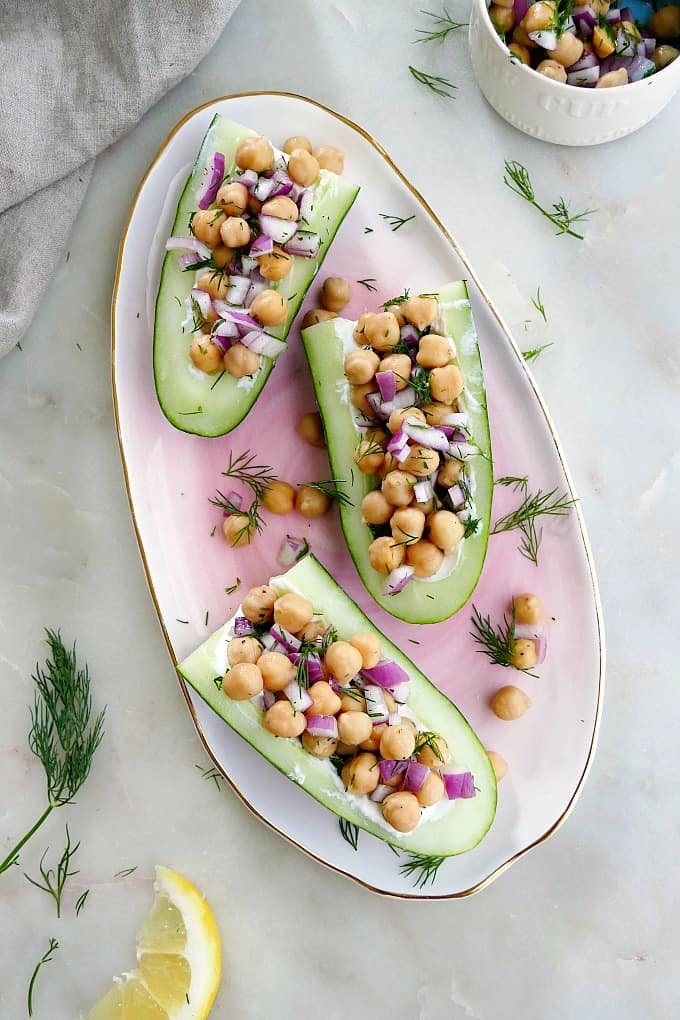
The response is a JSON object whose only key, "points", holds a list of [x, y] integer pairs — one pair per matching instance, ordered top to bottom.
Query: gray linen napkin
{"points": [[95, 67]]}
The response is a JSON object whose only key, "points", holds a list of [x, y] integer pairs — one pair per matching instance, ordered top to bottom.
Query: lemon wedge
{"points": [[179, 959]]}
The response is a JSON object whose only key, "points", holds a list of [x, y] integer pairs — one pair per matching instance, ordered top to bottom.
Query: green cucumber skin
{"points": [[325, 356], [179, 390], [456, 832]]}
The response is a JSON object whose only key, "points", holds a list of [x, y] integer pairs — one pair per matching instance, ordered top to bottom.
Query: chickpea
{"points": [[505, 3], [600, 7], [538, 17], [503, 18], [665, 23], [521, 37], [603, 43], [569, 49], [521, 51], [663, 56], [551, 69], [612, 79], [297, 142], [255, 153], [330, 158], [303, 168], [233, 198], [254, 205], [282, 207], [205, 225], [235, 232], [222, 255], [275, 266], [203, 282], [218, 284], [336, 293], [269, 307], [420, 311], [316, 315], [209, 318], [359, 331], [382, 331], [434, 351], [205, 355], [240, 361], [361, 366], [400, 366], [446, 384], [357, 397], [436, 414], [398, 417], [310, 428], [368, 456], [421, 461], [389, 464], [449, 473], [397, 487], [279, 497], [312, 503], [429, 506], [375, 509], [407, 525], [238, 530], [446, 530], [385, 555], [425, 557], [258, 605], [528, 608], [292, 612], [313, 630], [368, 646], [243, 649], [524, 655], [343, 660], [277, 670], [244, 680], [324, 699], [352, 700], [509, 703], [283, 720], [353, 727], [373, 742], [397, 743], [320, 747], [345, 750], [434, 759], [499, 765], [361, 775], [432, 790], [401, 810]]}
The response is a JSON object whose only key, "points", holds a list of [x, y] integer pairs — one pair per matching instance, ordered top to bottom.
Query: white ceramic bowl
{"points": [[553, 112]]}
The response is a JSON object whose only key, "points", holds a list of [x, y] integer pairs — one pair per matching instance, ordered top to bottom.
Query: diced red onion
{"points": [[520, 7], [627, 14], [613, 16], [585, 17], [569, 25], [544, 37], [625, 46], [650, 46], [587, 60], [640, 67], [587, 78], [280, 160], [247, 177], [213, 180], [283, 185], [263, 189], [296, 192], [306, 205], [279, 230], [305, 243], [188, 244], [262, 245], [188, 260], [249, 264], [256, 287], [237, 289], [202, 299], [239, 316], [225, 329], [409, 334], [223, 342], [261, 343], [387, 384], [404, 398], [375, 403], [456, 419], [425, 435], [397, 442], [462, 451], [401, 455], [423, 491], [457, 496], [236, 498], [464, 514], [292, 550], [397, 580], [242, 626], [529, 630], [286, 640], [268, 642], [541, 648], [313, 670], [385, 674], [332, 682], [400, 692], [298, 697], [268, 699], [376, 707], [394, 719], [322, 726], [390, 768], [415, 776], [459, 785], [381, 791]]}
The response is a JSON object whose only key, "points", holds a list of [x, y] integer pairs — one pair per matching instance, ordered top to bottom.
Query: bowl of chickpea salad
{"points": [[576, 74]]}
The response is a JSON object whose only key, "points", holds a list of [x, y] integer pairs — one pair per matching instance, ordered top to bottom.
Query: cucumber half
{"points": [[326, 344], [210, 405], [444, 830]]}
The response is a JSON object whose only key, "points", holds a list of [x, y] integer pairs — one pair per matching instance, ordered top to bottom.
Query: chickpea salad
{"points": [[594, 45]]}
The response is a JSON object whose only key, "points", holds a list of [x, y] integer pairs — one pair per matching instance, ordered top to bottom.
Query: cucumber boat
{"points": [[212, 402], [427, 583], [453, 825]]}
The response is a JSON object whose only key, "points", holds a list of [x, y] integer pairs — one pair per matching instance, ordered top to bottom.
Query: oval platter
{"points": [[170, 476]]}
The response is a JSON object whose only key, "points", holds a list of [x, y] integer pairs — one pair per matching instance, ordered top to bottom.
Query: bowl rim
{"points": [[562, 87]]}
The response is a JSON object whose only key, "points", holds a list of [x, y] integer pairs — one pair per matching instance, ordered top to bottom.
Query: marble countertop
{"points": [[586, 925]]}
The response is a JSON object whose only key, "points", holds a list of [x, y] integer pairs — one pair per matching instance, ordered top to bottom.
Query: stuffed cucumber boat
{"points": [[252, 227], [401, 396], [304, 676]]}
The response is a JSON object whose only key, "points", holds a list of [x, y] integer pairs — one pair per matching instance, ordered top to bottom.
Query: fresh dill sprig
{"points": [[442, 24], [440, 86], [517, 178], [396, 222], [368, 230], [368, 283], [399, 299], [538, 305], [197, 316], [535, 352], [420, 382], [257, 477], [514, 482], [331, 488], [524, 516], [470, 526], [230, 589], [498, 643], [62, 735], [426, 738], [210, 773], [349, 832], [394, 850], [422, 868], [126, 871], [53, 883], [80, 902], [54, 945]]}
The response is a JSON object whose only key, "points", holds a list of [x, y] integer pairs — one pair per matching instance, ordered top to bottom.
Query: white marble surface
{"points": [[585, 926]]}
